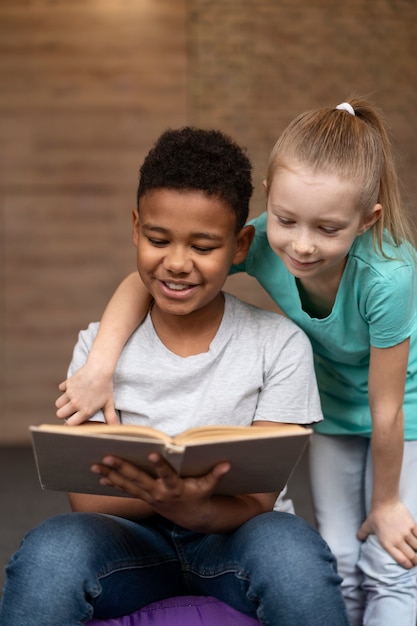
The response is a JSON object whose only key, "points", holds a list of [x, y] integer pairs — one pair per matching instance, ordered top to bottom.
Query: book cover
{"points": [[262, 459]]}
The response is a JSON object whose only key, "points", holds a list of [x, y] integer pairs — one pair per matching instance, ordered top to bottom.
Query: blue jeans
{"points": [[76, 565]]}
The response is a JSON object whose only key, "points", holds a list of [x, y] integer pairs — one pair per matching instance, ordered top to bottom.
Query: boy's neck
{"points": [[187, 335]]}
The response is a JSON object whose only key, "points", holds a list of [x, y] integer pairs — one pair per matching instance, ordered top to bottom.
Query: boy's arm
{"points": [[91, 388], [188, 502], [129, 508], [388, 518]]}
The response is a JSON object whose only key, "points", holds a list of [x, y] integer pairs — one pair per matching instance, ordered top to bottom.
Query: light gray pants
{"points": [[377, 591]]}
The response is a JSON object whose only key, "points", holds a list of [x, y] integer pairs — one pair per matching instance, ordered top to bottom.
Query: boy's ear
{"points": [[135, 216], [371, 218], [244, 240]]}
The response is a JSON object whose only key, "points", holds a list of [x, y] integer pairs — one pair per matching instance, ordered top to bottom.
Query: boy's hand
{"points": [[84, 393], [186, 502], [395, 529]]}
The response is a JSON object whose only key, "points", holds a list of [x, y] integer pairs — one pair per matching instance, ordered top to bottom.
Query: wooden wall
{"points": [[86, 88]]}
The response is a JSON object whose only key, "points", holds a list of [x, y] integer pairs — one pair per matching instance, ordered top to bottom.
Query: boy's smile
{"points": [[186, 243]]}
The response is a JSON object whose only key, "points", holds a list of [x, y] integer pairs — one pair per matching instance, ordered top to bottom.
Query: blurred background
{"points": [[87, 86]]}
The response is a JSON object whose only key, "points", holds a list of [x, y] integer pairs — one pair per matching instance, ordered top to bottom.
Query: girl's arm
{"points": [[91, 388], [388, 518]]}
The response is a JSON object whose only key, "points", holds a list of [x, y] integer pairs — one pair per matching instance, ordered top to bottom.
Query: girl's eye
{"points": [[285, 221], [329, 230]]}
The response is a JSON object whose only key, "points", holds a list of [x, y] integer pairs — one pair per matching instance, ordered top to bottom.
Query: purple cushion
{"points": [[182, 611]]}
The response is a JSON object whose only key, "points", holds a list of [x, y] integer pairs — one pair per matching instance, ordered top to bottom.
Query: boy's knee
{"points": [[285, 537], [57, 542], [287, 553]]}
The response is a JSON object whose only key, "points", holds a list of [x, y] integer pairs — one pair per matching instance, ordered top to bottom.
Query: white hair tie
{"points": [[345, 106]]}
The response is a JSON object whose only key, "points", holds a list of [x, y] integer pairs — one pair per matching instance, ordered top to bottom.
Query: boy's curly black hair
{"points": [[196, 159]]}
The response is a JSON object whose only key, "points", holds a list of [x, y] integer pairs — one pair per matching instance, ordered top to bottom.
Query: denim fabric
{"points": [[77, 565]]}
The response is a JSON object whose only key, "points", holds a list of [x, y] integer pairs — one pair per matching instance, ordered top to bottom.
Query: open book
{"points": [[262, 458]]}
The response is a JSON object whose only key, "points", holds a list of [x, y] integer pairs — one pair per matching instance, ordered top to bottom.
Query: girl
{"points": [[334, 251]]}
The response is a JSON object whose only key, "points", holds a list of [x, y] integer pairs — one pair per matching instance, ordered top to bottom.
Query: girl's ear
{"points": [[371, 218], [135, 233], [243, 242]]}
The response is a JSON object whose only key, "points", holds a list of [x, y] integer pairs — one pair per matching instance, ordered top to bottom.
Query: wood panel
{"points": [[87, 87]]}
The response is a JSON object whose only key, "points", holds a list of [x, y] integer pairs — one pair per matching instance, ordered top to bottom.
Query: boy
{"points": [[200, 357]]}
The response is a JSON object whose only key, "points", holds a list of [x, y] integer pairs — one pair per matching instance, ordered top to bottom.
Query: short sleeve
{"points": [[391, 307], [82, 348], [290, 392]]}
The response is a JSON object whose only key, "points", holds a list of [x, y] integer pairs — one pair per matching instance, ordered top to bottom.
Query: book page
{"points": [[106, 430], [229, 433], [261, 460]]}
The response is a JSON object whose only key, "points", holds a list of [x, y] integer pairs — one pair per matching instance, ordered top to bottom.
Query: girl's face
{"points": [[313, 220]]}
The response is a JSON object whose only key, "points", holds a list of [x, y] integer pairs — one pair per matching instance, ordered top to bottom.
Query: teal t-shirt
{"points": [[376, 304]]}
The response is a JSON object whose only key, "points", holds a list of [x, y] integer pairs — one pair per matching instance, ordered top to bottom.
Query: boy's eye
{"points": [[157, 242], [160, 243], [202, 249]]}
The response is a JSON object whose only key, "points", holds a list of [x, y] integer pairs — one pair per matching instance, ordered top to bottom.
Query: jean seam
{"points": [[126, 565]]}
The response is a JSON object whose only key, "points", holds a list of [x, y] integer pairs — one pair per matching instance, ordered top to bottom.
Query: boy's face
{"points": [[186, 243]]}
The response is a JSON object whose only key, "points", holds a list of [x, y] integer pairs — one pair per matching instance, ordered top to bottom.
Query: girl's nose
{"points": [[303, 244]]}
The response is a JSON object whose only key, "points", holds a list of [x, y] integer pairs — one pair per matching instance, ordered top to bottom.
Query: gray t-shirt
{"points": [[259, 367]]}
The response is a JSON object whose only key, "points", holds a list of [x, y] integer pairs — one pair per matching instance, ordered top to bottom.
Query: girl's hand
{"points": [[87, 391], [186, 502], [395, 529]]}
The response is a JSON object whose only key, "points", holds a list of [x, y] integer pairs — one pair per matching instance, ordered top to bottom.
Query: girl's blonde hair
{"points": [[354, 147]]}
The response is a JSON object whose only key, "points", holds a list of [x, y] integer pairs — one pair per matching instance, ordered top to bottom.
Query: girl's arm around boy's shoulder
{"points": [[90, 388]]}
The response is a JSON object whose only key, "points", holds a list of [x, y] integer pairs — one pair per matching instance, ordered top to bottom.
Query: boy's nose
{"points": [[177, 261]]}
